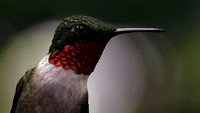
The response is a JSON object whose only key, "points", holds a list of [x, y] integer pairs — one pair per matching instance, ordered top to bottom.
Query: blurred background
{"points": [[137, 73]]}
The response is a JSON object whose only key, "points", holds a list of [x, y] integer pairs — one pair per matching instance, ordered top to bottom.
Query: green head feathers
{"points": [[93, 23], [78, 28]]}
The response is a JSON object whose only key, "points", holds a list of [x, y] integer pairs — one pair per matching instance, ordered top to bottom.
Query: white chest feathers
{"points": [[59, 85]]}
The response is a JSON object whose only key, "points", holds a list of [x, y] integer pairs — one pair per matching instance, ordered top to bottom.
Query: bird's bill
{"points": [[130, 30]]}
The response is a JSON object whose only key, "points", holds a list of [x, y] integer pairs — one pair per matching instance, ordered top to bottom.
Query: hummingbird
{"points": [[58, 83]]}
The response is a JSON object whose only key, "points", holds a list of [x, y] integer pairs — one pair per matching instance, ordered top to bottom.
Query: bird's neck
{"points": [[81, 56], [61, 87]]}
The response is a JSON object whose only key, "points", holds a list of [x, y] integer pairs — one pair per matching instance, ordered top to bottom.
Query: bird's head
{"points": [[80, 28], [79, 42]]}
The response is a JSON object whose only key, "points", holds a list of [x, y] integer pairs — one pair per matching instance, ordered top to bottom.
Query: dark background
{"points": [[178, 17], [181, 20]]}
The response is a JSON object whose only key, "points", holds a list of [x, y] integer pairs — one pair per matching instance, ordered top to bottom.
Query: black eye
{"points": [[80, 29]]}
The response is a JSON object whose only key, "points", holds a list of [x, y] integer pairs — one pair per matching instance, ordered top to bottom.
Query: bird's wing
{"points": [[19, 89], [18, 92]]}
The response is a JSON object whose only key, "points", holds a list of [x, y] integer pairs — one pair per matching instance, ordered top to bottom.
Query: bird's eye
{"points": [[80, 29]]}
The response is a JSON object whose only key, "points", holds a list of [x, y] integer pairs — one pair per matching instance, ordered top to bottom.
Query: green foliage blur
{"points": [[181, 20]]}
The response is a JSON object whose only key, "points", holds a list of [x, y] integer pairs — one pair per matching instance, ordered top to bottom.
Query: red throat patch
{"points": [[81, 57]]}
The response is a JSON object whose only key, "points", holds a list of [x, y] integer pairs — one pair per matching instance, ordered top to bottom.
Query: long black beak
{"points": [[130, 30]]}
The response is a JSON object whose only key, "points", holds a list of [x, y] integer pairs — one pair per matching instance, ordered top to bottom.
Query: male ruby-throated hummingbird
{"points": [[58, 84]]}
